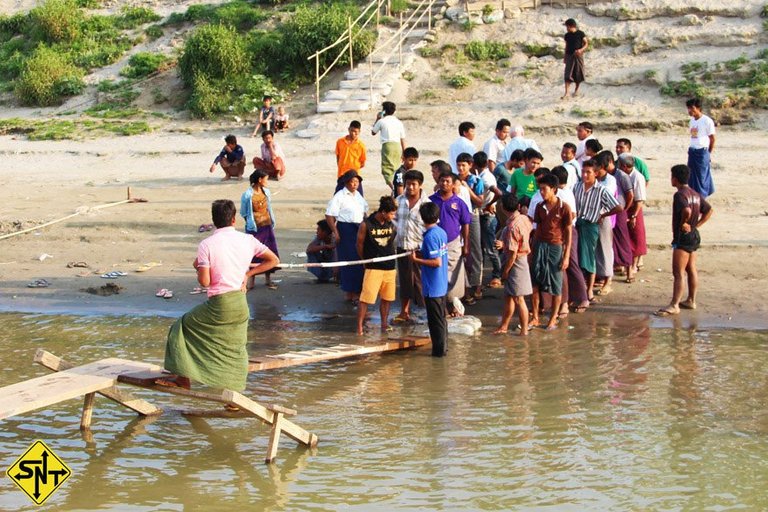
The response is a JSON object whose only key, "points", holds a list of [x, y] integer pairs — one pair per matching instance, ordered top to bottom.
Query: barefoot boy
{"points": [[689, 212], [376, 238], [553, 247], [433, 259], [515, 274]]}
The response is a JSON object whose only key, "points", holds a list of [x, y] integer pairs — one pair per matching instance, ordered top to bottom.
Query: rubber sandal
{"points": [[39, 283], [161, 292], [168, 294], [664, 312], [400, 319]]}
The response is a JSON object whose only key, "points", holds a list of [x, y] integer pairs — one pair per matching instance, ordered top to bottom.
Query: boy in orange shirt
{"points": [[350, 154]]}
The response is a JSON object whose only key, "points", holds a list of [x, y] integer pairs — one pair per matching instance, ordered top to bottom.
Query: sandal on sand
{"points": [[39, 283], [272, 286], [161, 292], [168, 294], [686, 304], [665, 312]]}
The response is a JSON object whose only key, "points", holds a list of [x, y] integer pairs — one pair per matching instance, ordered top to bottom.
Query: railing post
{"points": [[389, 7], [378, 15], [429, 16], [349, 27], [400, 43], [317, 79], [370, 79]]}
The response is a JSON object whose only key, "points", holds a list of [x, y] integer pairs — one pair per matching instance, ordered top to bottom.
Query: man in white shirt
{"points": [[702, 130], [583, 133], [392, 140], [518, 141], [461, 145], [494, 147], [568, 156], [488, 222]]}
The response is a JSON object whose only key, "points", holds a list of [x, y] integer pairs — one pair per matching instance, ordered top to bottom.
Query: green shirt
{"points": [[642, 168], [523, 184]]}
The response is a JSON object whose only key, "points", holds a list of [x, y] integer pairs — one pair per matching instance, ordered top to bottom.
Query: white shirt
{"points": [[391, 128], [700, 130], [518, 143], [459, 146], [494, 147], [581, 148], [574, 172], [489, 183], [610, 183], [638, 185], [464, 196], [565, 196], [347, 207]]}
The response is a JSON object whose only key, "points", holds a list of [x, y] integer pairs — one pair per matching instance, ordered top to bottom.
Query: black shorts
{"points": [[688, 242]]}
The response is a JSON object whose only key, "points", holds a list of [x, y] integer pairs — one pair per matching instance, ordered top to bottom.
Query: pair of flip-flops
{"points": [[113, 275], [39, 283], [164, 293]]}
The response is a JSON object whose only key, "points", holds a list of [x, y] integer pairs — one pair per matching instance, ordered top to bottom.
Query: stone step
{"points": [[328, 106], [355, 106]]}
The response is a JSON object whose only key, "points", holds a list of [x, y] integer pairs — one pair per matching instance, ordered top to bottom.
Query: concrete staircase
{"points": [[355, 92]]}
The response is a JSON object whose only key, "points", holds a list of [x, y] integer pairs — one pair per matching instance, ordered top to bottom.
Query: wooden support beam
{"points": [[115, 394], [85, 419], [274, 437]]}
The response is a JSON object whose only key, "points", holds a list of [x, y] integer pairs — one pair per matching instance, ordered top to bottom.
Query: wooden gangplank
{"points": [[342, 351], [74, 382]]}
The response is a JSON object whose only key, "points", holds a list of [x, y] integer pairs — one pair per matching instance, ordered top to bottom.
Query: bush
{"points": [[398, 6], [238, 14], [132, 17], [56, 20], [12, 25], [309, 29], [154, 32], [486, 50], [537, 50], [212, 52], [144, 64], [47, 77], [459, 81], [206, 99]]}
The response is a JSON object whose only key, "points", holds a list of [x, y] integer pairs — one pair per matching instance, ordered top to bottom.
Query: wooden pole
{"points": [[389, 7], [378, 15], [429, 16], [349, 27], [400, 45], [370, 78], [317, 80], [85, 419]]}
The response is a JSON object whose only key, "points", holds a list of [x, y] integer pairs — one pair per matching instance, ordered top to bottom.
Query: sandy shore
{"points": [[43, 181]]}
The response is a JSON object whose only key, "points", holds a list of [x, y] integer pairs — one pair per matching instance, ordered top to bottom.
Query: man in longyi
{"points": [[208, 344]]}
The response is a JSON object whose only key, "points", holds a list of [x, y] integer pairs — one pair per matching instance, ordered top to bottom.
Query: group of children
{"points": [[232, 159]]}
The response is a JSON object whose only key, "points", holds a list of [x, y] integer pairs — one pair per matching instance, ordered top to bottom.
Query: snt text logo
{"points": [[38, 472]]}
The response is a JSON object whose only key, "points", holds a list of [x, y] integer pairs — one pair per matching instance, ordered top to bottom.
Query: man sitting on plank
{"points": [[207, 344]]}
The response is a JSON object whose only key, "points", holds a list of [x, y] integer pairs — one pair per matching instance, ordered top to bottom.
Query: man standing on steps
{"points": [[576, 43], [392, 140]]}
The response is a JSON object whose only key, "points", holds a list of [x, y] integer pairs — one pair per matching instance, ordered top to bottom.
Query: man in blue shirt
{"points": [[231, 158], [434, 276]]}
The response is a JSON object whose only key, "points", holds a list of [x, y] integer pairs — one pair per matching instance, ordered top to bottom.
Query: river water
{"points": [[609, 414]]}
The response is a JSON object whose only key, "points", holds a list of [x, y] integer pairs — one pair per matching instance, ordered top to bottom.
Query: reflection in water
{"points": [[608, 414]]}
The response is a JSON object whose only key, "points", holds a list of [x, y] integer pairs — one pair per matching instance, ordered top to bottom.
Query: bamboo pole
{"points": [[378, 15], [429, 19], [349, 27], [400, 44], [370, 79], [317, 80]]}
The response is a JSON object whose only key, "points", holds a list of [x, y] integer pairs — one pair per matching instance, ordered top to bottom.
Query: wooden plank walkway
{"points": [[342, 351]]}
